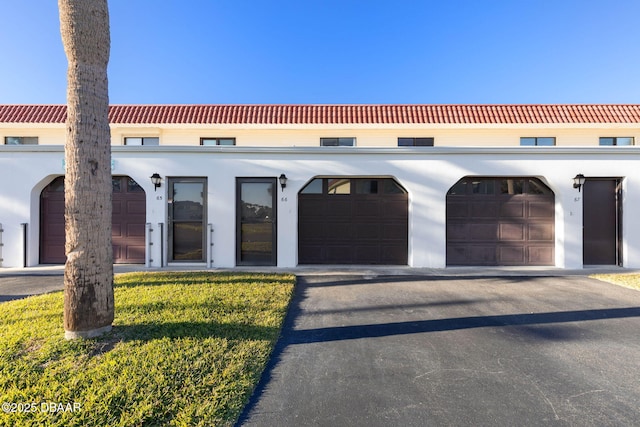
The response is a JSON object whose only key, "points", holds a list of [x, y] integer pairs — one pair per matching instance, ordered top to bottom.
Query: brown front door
{"points": [[500, 221], [601, 221], [128, 222]]}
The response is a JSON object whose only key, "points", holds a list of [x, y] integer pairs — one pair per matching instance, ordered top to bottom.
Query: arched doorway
{"points": [[128, 222]]}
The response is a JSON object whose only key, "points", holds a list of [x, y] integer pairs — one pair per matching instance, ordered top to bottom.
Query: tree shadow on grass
{"points": [[177, 330], [180, 330]]}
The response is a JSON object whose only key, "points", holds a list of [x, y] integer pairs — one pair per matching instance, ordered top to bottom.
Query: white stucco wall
{"points": [[427, 175]]}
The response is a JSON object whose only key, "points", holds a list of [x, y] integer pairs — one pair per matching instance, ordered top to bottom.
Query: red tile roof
{"points": [[338, 114]]}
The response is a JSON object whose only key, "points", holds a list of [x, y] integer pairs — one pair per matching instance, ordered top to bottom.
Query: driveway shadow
{"points": [[4, 298], [339, 333]]}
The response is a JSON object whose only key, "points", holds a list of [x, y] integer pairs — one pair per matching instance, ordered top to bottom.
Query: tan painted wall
{"points": [[50, 135], [366, 136]]}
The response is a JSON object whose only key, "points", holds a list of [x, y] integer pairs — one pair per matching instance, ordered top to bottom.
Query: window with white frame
{"points": [[21, 140], [144, 140], [617, 140], [217, 141], [538, 141], [337, 142], [415, 142]]}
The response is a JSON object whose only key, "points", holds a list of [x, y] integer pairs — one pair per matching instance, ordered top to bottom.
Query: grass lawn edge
{"points": [[627, 280]]}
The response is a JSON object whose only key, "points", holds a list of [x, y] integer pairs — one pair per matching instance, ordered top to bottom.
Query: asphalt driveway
{"points": [[18, 286], [454, 351]]}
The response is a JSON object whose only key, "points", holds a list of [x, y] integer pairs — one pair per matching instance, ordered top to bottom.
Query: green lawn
{"points": [[631, 280], [186, 349]]}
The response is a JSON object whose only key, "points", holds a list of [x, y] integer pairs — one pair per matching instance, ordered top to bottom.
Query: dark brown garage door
{"points": [[353, 221], [500, 221], [128, 222]]}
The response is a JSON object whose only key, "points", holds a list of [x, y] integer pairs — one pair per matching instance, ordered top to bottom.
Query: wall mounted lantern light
{"points": [[156, 180], [283, 181], [578, 181]]}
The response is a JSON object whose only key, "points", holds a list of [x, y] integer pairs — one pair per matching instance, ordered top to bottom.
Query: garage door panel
{"points": [[56, 206], [136, 207], [312, 207], [116, 208], [338, 208], [366, 208], [394, 208], [457, 209], [488, 209], [512, 209], [543, 209], [138, 220], [55, 230], [135, 230], [311, 230], [337, 230], [367, 231], [395, 231], [512, 231], [457, 232], [483, 232], [542, 232], [56, 239], [117, 251], [135, 252], [53, 254], [313, 254], [337, 254], [367, 254], [394, 254], [457, 254], [470, 254], [482, 254], [511, 255], [541, 255]]}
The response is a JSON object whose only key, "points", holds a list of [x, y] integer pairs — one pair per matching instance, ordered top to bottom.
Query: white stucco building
{"points": [[417, 185]]}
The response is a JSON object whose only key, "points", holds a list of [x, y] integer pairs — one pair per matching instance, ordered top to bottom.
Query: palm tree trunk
{"points": [[88, 275]]}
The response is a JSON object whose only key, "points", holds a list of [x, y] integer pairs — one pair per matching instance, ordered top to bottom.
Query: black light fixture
{"points": [[156, 180], [283, 181], [578, 181]]}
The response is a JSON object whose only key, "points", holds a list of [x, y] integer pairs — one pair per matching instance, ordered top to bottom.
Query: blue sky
{"points": [[338, 51]]}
